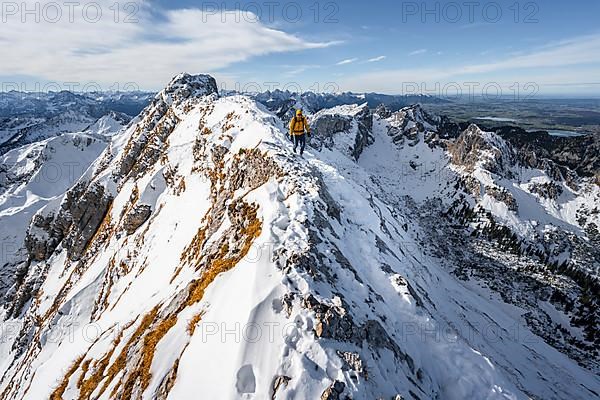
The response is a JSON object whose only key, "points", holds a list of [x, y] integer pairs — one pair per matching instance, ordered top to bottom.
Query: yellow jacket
{"points": [[298, 125]]}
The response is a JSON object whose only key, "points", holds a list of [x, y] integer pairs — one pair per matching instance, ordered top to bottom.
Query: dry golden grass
{"points": [[228, 123], [180, 187], [249, 232], [193, 250], [101, 301], [194, 322], [84, 370], [141, 373], [133, 375], [125, 376], [172, 377], [88, 386], [62, 387]]}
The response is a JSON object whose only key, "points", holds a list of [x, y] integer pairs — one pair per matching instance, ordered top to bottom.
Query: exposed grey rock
{"points": [[382, 111], [158, 121], [409, 123], [328, 124], [474, 146], [578, 154], [253, 170], [549, 190], [503, 196], [81, 213], [85, 214], [136, 218], [40, 247], [335, 322], [353, 362], [279, 383], [334, 391]]}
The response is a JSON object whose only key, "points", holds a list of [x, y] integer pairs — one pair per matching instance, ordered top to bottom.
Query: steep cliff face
{"points": [[345, 128], [579, 154], [200, 257]]}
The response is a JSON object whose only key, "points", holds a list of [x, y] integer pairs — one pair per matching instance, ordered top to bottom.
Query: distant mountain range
{"points": [[282, 103], [50, 104], [29, 117]]}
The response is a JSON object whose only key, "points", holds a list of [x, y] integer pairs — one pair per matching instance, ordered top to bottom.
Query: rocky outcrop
{"points": [[382, 111], [158, 121], [412, 124], [348, 128], [487, 150], [579, 154], [548, 190], [504, 196], [86, 205], [83, 213], [136, 218], [78, 219], [42, 243], [335, 322], [353, 362], [334, 391]]}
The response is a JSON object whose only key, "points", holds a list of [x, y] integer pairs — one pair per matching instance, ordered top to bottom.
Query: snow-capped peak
{"points": [[185, 86], [475, 147]]}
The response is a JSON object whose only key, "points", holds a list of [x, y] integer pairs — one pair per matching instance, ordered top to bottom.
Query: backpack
{"points": [[296, 121]]}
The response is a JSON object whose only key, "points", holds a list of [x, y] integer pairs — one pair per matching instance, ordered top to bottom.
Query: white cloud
{"points": [[581, 50], [148, 52], [417, 52], [376, 59], [348, 61], [574, 61], [299, 69]]}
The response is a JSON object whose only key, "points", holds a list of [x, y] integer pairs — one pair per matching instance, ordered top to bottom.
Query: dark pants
{"points": [[299, 140]]}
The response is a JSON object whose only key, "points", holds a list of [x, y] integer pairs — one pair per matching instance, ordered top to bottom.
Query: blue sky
{"points": [[545, 47]]}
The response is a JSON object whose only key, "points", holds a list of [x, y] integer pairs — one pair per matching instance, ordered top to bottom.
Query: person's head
{"points": [[298, 113]]}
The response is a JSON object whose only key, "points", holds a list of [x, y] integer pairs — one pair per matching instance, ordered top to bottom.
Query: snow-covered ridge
{"points": [[198, 225]]}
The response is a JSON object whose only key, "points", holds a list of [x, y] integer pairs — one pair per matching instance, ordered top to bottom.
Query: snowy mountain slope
{"points": [[30, 117], [356, 120], [109, 124], [37, 129], [37, 175], [409, 178], [484, 192], [200, 256]]}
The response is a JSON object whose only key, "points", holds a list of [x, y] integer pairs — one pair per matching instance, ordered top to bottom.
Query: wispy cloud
{"points": [[50, 51], [575, 51], [417, 52], [376, 59], [347, 61], [551, 63], [299, 69]]}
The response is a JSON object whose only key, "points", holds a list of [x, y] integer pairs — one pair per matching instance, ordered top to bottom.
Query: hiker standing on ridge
{"points": [[298, 126]]}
